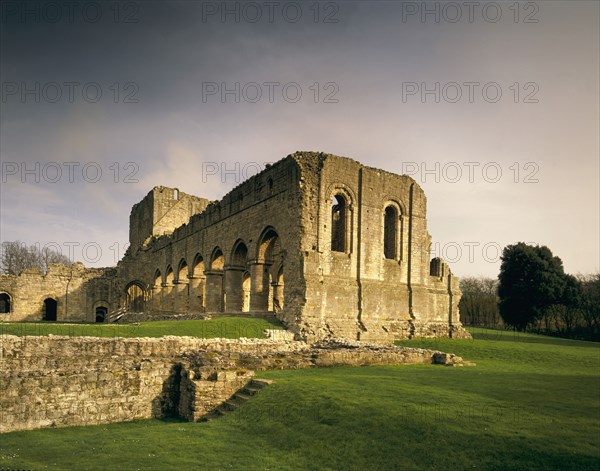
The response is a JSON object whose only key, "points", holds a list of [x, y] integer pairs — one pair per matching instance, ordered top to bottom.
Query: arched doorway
{"points": [[269, 253], [234, 278], [214, 282], [198, 285], [135, 297], [181, 301], [5, 303], [50, 309], [101, 313]]}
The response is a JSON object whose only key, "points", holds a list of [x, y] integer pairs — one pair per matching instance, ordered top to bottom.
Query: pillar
{"points": [[259, 286], [214, 291], [234, 292], [181, 295], [197, 297], [157, 298]]}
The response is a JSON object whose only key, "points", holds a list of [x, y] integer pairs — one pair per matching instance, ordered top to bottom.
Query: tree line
{"points": [[534, 294]]}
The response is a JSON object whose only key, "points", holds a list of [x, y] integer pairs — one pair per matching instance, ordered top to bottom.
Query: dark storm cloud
{"points": [[156, 116]]}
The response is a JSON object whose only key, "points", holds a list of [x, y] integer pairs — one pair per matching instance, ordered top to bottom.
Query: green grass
{"points": [[225, 327], [531, 403]]}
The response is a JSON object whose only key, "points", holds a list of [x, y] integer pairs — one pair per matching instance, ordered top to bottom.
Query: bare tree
{"points": [[16, 256], [479, 302]]}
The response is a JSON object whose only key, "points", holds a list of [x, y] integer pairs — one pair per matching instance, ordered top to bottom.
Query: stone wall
{"points": [[332, 247], [78, 291], [362, 292], [65, 381]]}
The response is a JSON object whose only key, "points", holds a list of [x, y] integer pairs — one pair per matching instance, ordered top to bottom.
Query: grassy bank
{"points": [[225, 327], [531, 402]]}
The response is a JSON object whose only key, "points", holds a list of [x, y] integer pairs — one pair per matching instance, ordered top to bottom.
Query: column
{"points": [[259, 286], [214, 291]]}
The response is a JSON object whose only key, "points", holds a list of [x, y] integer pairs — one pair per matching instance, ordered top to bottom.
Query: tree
{"points": [[15, 257], [531, 280], [479, 302], [590, 303], [567, 312]]}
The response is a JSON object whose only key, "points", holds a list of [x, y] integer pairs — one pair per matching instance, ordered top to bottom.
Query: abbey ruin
{"points": [[330, 247]]}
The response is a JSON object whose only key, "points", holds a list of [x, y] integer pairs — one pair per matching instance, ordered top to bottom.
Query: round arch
{"points": [[5, 302], [50, 309], [100, 310]]}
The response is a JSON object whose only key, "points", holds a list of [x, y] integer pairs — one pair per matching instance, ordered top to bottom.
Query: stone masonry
{"points": [[331, 247], [58, 381]]}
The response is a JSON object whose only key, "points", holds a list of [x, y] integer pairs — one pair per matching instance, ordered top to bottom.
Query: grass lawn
{"points": [[224, 327], [531, 402]]}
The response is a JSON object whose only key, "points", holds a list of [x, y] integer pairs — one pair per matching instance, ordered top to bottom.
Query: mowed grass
{"points": [[224, 327], [531, 403]]}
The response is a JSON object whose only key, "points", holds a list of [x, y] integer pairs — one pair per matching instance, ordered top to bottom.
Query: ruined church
{"points": [[328, 246]]}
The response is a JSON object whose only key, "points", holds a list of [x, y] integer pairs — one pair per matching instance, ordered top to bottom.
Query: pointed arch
{"points": [[268, 245], [239, 254], [217, 260], [198, 266], [182, 271], [169, 276], [198, 284], [135, 296], [215, 296]]}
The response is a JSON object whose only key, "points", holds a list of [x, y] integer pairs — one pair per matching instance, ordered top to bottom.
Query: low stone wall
{"points": [[65, 381], [199, 396]]}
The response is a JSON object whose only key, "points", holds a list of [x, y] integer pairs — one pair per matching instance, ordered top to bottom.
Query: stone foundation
{"points": [[57, 381]]}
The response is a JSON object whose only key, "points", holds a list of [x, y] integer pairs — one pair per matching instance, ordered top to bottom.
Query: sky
{"points": [[493, 108]]}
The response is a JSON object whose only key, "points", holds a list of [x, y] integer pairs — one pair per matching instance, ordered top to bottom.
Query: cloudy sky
{"points": [[492, 108]]}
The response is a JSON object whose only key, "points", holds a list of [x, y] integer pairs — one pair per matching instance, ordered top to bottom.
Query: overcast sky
{"points": [[493, 109]]}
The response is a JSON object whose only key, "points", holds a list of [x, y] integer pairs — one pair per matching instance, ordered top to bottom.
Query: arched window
{"points": [[339, 216], [390, 233]]}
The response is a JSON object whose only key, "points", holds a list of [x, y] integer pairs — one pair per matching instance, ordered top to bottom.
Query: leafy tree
{"points": [[15, 257], [531, 280], [590, 303], [567, 312]]}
